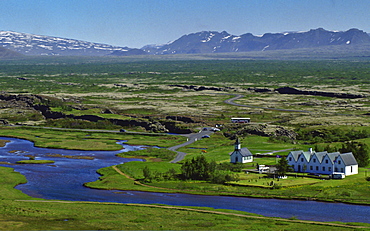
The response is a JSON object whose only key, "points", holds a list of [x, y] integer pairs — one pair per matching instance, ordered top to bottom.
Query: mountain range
{"points": [[194, 43]]}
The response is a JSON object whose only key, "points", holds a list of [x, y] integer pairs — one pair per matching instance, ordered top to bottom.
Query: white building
{"points": [[240, 120], [240, 155], [323, 162]]}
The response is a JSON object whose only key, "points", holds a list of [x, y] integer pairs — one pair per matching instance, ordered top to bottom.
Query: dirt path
{"points": [[137, 182]]}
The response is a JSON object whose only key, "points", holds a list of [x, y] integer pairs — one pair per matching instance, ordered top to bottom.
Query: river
{"points": [[64, 180]]}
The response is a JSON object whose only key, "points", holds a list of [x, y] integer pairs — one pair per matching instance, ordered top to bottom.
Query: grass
{"points": [[86, 140], [151, 154], [352, 189], [21, 212]]}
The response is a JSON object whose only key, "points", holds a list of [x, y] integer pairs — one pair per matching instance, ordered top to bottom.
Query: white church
{"points": [[240, 155], [323, 162]]}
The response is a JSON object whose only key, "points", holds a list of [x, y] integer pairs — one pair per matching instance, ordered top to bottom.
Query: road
{"points": [[191, 139]]}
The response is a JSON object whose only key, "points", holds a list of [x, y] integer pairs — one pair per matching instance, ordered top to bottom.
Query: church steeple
{"points": [[237, 144]]}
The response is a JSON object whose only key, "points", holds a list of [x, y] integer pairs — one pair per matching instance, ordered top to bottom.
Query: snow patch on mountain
{"points": [[31, 44]]}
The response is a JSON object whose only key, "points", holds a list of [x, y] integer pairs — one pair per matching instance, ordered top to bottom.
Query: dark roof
{"points": [[243, 152], [348, 159]]}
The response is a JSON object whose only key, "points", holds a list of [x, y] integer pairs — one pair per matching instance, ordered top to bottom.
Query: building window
{"points": [[290, 158], [301, 159], [314, 160], [326, 161], [339, 162], [293, 166], [311, 168], [317, 168], [323, 168], [329, 169], [336, 169], [341, 169], [351, 169]]}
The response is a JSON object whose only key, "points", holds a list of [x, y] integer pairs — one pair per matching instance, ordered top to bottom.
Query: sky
{"points": [[136, 23]]}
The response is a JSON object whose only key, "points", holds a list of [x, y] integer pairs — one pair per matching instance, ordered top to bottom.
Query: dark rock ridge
{"points": [[216, 42], [201, 88], [293, 91], [21, 101], [35, 102], [181, 118], [156, 126], [266, 130]]}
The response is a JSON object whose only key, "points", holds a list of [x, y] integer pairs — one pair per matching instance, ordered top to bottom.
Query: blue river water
{"points": [[64, 180]]}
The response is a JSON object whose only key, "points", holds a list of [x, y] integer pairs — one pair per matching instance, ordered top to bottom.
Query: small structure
{"points": [[240, 120], [240, 155], [323, 162], [263, 169]]}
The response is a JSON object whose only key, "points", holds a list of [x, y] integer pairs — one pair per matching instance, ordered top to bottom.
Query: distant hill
{"points": [[205, 42], [223, 42], [30, 44], [130, 52], [6, 53]]}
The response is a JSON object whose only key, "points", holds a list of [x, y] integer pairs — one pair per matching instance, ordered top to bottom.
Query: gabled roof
{"points": [[243, 152], [295, 154], [307, 155], [320, 155], [333, 155], [348, 159]]}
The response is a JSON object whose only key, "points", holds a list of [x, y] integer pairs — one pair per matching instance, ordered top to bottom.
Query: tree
{"points": [[360, 152], [282, 167], [198, 168], [147, 174]]}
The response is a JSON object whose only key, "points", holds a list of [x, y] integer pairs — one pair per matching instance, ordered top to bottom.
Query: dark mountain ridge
{"points": [[205, 42], [223, 42]]}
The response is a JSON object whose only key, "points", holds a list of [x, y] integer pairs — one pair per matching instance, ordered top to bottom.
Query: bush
{"points": [[237, 167]]}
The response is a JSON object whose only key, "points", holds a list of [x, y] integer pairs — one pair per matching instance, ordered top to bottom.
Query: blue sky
{"points": [[135, 23]]}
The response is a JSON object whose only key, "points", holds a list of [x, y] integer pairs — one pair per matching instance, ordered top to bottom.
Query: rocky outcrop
{"points": [[201, 88], [259, 90], [293, 91], [20, 101], [34, 102], [181, 118], [3, 122], [153, 126], [266, 130]]}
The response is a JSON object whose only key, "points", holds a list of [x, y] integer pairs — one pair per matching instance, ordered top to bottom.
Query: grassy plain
{"points": [[151, 90]]}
